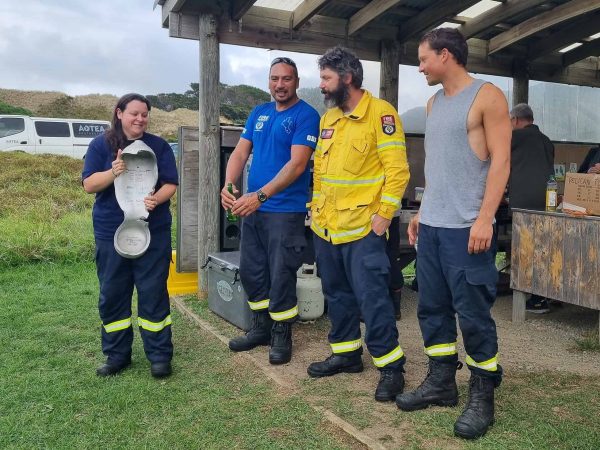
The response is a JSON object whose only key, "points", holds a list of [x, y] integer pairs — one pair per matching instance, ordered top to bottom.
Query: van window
{"points": [[11, 125], [52, 129], [88, 130]]}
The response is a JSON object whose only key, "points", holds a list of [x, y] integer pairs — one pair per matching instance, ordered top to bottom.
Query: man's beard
{"points": [[337, 97]]}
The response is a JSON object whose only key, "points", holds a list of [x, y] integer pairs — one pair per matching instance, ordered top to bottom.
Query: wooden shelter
{"points": [[523, 39]]}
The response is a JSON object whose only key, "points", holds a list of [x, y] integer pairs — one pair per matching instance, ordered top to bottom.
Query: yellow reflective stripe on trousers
{"points": [[257, 306], [284, 315], [118, 325], [154, 326], [348, 346], [441, 349], [392, 356], [490, 365]]}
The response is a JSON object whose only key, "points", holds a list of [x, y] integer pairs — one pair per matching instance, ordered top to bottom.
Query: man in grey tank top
{"points": [[467, 162]]}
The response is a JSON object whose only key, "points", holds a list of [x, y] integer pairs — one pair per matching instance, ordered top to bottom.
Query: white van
{"points": [[69, 137]]}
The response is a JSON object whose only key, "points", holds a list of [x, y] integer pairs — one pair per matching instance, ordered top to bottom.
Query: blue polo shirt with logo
{"points": [[272, 134]]}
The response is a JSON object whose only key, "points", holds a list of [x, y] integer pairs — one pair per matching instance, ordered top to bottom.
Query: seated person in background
{"points": [[591, 163], [531, 164]]}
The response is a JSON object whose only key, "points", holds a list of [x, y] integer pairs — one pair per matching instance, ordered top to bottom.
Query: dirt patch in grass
{"points": [[543, 344]]}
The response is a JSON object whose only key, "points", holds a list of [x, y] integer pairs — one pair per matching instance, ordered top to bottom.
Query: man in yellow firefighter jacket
{"points": [[360, 175]]}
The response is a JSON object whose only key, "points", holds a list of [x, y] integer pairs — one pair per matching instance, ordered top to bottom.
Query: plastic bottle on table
{"points": [[551, 194]]}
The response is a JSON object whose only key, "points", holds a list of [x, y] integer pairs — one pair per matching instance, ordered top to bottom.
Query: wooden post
{"points": [[388, 78], [520, 82], [209, 152], [518, 306]]}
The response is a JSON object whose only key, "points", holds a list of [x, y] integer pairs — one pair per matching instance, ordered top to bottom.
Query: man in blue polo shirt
{"points": [[281, 135]]}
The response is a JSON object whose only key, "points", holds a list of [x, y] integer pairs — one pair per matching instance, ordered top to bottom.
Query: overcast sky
{"points": [[118, 46]]}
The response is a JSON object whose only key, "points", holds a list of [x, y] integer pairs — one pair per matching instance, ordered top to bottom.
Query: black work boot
{"points": [[396, 295], [259, 334], [281, 343], [335, 364], [110, 368], [161, 369], [391, 383], [438, 388], [478, 414]]}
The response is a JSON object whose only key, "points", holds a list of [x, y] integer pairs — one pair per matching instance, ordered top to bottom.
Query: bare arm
{"points": [[497, 130], [300, 155], [235, 167], [99, 181], [164, 193]]}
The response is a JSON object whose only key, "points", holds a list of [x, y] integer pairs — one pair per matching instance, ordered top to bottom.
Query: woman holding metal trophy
{"points": [[133, 175]]}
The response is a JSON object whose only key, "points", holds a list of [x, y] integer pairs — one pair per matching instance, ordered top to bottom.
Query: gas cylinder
{"points": [[311, 303]]}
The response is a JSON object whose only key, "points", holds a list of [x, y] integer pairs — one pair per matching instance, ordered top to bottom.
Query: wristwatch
{"points": [[262, 197]]}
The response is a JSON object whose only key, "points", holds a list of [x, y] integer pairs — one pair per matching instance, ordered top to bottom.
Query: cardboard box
{"points": [[582, 191]]}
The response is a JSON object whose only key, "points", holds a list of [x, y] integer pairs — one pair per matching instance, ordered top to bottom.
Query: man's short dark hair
{"points": [[449, 39], [287, 61], [343, 61], [522, 111]]}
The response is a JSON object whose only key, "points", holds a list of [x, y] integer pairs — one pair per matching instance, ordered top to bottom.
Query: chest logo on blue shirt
{"points": [[261, 122], [287, 125]]}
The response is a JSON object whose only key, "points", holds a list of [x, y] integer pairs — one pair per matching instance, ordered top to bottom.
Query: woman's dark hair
{"points": [[449, 39], [343, 61], [115, 136]]}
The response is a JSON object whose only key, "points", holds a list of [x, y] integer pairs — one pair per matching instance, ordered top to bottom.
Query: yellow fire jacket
{"points": [[360, 169]]}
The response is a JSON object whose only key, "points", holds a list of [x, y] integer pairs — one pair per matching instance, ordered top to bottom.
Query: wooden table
{"points": [[556, 256]]}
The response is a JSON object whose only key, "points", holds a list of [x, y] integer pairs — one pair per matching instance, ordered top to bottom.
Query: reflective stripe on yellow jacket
{"points": [[360, 169]]}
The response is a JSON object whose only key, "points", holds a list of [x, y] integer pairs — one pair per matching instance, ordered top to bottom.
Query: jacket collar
{"points": [[335, 114]]}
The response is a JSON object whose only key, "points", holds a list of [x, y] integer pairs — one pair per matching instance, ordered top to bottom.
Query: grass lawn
{"points": [[50, 396]]}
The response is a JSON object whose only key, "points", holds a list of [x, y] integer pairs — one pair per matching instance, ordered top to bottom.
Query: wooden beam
{"points": [[168, 7], [240, 7], [305, 11], [369, 13], [562, 13], [497, 15], [431, 16], [270, 28], [566, 36], [588, 49], [388, 75], [520, 82], [209, 158]]}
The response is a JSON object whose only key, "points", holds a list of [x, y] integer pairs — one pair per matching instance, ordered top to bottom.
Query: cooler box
{"points": [[226, 296]]}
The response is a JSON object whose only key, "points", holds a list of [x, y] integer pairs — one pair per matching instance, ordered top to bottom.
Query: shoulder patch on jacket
{"points": [[388, 124]]}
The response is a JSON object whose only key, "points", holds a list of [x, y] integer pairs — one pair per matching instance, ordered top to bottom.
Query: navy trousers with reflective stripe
{"points": [[270, 255], [118, 276], [355, 279], [453, 283]]}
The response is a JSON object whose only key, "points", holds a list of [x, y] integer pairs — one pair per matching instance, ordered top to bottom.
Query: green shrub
{"points": [[5, 108]]}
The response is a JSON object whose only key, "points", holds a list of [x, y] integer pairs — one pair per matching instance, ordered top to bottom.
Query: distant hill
{"points": [[314, 98]]}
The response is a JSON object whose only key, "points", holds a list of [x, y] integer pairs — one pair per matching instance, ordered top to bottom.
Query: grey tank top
{"points": [[455, 177]]}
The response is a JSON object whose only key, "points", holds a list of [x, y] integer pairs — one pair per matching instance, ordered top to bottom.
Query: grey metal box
{"points": [[226, 296]]}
